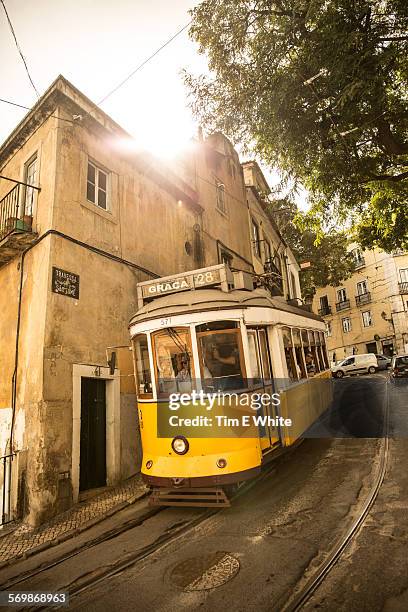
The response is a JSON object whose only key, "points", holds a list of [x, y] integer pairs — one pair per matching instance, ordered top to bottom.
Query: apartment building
{"points": [[271, 256], [369, 311]]}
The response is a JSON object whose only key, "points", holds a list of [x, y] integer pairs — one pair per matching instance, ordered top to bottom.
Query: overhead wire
{"points": [[19, 49], [139, 67], [31, 108]]}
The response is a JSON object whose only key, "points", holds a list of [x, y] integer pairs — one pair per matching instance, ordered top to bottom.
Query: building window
{"points": [[30, 177], [97, 186], [221, 198], [255, 239], [267, 250], [358, 256], [404, 275], [292, 286], [362, 288], [341, 295], [367, 320], [346, 322], [328, 329]]}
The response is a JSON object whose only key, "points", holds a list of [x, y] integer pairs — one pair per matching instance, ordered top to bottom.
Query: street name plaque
{"points": [[65, 283]]}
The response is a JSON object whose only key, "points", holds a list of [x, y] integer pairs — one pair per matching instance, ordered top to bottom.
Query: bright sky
{"points": [[95, 45]]}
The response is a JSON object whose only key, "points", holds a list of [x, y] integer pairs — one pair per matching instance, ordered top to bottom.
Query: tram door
{"points": [[262, 375], [92, 462]]}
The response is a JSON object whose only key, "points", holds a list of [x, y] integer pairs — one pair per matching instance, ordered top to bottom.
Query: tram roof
{"points": [[214, 299]]}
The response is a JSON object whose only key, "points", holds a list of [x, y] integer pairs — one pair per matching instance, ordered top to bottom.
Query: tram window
{"points": [[324, 349], [315, 351], [319, 351], [308, 354], [254, 357], [259, 357], [221, 359], [311, 359], [290, 360], [173, 361], [142, 363], [300, 363]]}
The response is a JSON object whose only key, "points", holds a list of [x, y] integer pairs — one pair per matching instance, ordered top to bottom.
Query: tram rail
{"points": [[82, 583], [307, 590]]}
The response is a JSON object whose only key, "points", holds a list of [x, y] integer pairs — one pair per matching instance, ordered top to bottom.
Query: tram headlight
{"points": [[180, 445]]}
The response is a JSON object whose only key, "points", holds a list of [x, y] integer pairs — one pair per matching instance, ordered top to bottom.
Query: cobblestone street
{"points": [[24, 541]]}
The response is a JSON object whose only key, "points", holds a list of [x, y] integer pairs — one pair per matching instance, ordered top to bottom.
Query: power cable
{"points": [[19, 49], [139, 67], [31, 108]]}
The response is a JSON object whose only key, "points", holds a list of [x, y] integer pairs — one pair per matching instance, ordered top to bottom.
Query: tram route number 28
{"points": [[205, 278]]}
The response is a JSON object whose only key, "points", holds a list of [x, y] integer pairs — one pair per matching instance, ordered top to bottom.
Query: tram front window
{"points": [[221, 358], [173, 361], [143, 375]]}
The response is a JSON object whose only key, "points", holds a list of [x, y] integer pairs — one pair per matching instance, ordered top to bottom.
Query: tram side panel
{"points": [[304, 403]]}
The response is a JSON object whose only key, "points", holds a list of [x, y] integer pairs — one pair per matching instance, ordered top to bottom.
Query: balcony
{"points": [[15, 226], [359, 262], [275, 277], [403, 288], [363, 298], [345, 305], [325, 310]]}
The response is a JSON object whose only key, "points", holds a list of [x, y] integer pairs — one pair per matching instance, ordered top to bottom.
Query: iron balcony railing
{"points": [[12, 213], [359, 262], [271, 268], [403, 288], [363, 298], [344, 305], [325, 310]]}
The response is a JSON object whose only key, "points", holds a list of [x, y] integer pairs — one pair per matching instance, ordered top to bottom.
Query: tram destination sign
{"points": [[196, 279], [65, 283]]}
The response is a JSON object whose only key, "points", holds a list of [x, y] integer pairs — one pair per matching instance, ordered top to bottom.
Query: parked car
{"points": [[383, 362], [356, 364], [399, 366]]}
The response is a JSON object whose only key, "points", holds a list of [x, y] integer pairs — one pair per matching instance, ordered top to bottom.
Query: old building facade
{"points": [[83, 218], [271, 256], [369, 311]]}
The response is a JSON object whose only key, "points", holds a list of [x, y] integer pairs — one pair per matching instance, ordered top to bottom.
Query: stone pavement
{"points": [[25, 541]]}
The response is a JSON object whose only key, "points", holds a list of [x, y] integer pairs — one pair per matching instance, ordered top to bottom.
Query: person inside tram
{"points": [[227, 359], [221, 362], [310, 364], [183, 373]]}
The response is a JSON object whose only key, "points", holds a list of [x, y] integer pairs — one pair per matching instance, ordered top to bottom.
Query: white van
{"points": [[356, 364]]}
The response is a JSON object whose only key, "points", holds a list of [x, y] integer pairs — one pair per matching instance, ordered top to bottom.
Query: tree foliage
{"points": [[319, 89], [330, 261]]}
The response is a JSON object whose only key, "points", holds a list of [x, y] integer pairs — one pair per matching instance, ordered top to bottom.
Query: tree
{"points": [[319, 89], [330, 261]]}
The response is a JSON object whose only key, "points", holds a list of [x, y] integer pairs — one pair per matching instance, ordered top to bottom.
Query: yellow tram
{"points": [[204, 335]]}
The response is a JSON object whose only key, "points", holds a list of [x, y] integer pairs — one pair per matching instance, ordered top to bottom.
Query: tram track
{"points": [[91, 579], [305, 592]]}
